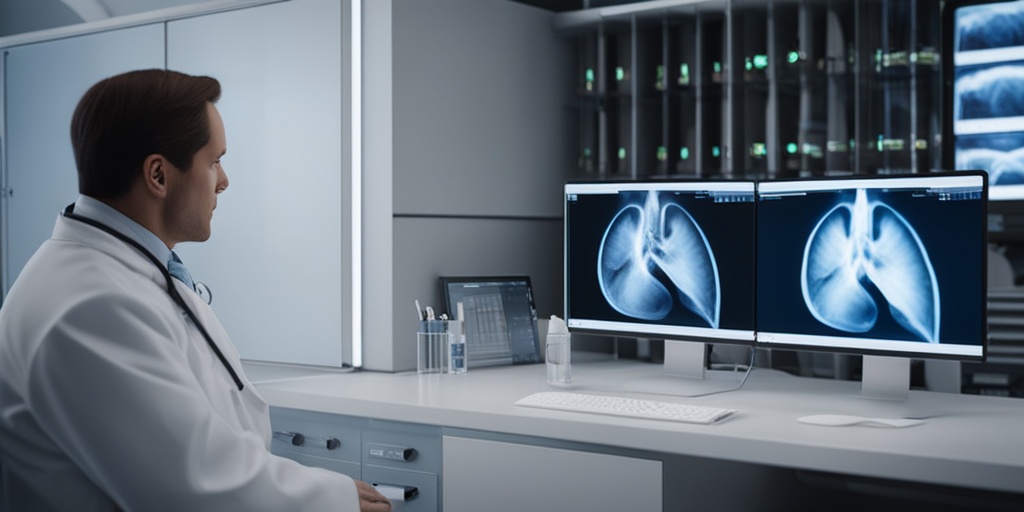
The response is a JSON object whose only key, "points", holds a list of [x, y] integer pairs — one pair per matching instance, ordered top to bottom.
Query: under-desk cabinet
{"points": [[400, 455], [499, 476]]}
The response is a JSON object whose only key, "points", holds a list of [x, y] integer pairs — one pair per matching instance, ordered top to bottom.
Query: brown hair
{"points": [[123, 119]]}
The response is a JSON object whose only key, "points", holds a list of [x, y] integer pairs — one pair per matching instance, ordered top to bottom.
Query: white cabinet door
{"points": [[43, 83], [275, 260], [498, 476]]}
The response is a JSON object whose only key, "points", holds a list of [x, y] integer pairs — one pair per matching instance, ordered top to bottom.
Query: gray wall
{"points": [[480, 151]]}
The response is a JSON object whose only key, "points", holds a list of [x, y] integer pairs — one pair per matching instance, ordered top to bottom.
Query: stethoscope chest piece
{"points": [[204, 292]]}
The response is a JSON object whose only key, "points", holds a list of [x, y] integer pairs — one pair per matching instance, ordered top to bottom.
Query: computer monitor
{"points": [[983, 106], [670, 260], [891, 267]]}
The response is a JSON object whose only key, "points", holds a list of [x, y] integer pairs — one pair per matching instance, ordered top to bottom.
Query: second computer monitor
{"points": [[664, 259], [878, 266]]}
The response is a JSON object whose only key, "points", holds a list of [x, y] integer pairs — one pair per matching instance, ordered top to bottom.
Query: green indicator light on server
{"points": [[793, 57], [760, 61], [717, 66], [620, 73], [792, 148], [716, 151], [622, 153], [662, 153], [684, 153]]}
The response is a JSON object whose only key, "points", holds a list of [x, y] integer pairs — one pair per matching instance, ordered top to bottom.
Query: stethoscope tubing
{"points": [[171, 289]]}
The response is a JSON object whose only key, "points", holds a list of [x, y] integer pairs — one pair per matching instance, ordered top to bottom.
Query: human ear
{"points": [[154, 174]]}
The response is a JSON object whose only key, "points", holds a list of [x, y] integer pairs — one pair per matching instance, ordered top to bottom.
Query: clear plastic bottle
{"points": [[456, 347], [559, 350]]}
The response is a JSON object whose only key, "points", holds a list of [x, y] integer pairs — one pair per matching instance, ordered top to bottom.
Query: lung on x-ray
{"points": [[865, 242], [654, 253]]}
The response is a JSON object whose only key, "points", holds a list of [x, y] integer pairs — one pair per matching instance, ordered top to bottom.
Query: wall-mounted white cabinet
{"points": [[42, 85], [276, 262]]}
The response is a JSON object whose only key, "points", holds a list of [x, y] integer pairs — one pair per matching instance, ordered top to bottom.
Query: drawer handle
{"points": [[295, 438], [391, 452], [397, 492]]}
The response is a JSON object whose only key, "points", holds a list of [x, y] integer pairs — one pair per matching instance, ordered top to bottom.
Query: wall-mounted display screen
{"points": [[984, 77]]}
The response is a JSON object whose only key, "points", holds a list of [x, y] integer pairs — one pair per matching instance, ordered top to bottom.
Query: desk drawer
{"points": [[313, 434], [402, 446], [352, 469], [426, 499]]}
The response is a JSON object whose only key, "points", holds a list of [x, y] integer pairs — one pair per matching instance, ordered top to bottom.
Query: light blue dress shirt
{"points": [[96, 210]]}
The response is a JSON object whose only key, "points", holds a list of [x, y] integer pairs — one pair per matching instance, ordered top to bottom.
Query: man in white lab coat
{"points": [[111, 396]]}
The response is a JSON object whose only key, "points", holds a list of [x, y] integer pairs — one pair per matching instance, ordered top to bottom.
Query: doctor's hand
{"points": [[370, 500]]}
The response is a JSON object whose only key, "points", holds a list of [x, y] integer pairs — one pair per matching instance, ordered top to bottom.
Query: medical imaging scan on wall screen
{"points": [[984, 75], [669, 260], [879, 266]]}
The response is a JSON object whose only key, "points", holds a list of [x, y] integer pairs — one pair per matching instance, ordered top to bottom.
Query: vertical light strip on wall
{"points": [[356, 108]]}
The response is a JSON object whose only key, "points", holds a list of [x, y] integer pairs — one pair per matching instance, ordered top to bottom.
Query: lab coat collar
{"points": [[99, 211], [68, 230]]}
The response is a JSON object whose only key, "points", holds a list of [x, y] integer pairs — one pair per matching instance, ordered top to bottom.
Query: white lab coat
{"points": [[111, 398]]}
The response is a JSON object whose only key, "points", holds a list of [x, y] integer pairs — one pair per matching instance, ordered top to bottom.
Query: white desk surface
{"points": [[967, 441]]}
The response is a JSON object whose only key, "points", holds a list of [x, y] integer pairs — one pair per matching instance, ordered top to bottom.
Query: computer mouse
{"points": [[845, 420]]}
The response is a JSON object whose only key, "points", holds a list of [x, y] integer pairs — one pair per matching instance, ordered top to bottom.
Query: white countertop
{"points": [[966, 441]]}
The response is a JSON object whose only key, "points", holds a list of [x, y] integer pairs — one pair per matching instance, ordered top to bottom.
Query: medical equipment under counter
{"points": [[402, 460]]}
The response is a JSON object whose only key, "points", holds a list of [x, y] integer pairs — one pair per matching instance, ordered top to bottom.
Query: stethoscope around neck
{"points": [[69, 213]]}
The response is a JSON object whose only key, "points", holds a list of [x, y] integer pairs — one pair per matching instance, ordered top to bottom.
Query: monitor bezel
{"points": [[640, 330], [848, 345]]}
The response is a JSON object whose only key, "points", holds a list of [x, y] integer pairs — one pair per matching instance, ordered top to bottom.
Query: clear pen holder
{"points": [[432, 340]]}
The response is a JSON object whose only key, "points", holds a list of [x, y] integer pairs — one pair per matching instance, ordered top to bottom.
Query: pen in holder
{"points": [[432, 346]]}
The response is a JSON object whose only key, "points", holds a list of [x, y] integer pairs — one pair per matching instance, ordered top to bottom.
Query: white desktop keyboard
{"points": [[621, 406]]}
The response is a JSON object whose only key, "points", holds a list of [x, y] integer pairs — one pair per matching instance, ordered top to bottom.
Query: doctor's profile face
{"points": [[192, 193]]}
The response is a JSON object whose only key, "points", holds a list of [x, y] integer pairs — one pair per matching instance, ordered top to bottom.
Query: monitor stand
{"points": [[685, 373], [885, 378]]}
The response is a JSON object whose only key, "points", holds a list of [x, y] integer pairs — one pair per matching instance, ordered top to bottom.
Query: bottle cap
{"points": [[557, 326]]}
